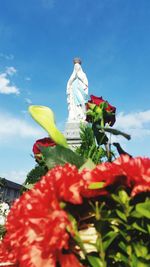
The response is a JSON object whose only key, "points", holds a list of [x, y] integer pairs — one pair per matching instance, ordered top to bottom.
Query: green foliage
{"points": [[115, 132], [89, 148], [59, 155], [33, 176], [144, 209], [123, 230], [95, 261]]}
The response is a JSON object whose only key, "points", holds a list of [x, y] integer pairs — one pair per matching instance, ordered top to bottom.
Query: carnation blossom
{"points": [[137, 171], [133, 173], [67, 182], [36, 227]]}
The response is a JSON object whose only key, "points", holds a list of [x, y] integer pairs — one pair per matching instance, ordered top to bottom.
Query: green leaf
{"points": [[104, 105], [45, 117], [116, 132], [101, 137], [59, 155], [89, 164], [96, 185], [123, 196], [116, 198], [144, 209], [136, 214], [121, 215], [73, 222], [139, 228], [148, 228], [76, 235], [109, 239], [123, 246], [140, 250], [119, 257], [95, 261], [141, 264]]}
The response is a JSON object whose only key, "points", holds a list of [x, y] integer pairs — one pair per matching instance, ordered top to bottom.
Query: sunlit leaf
{"points": [[45, 117], [89, 164], [96, 185], [123, 196], [144, 209], [121, 215], [138, 227], [95, 261]]}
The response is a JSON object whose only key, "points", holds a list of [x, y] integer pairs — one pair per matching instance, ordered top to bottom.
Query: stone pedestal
{"points": [[72, 134]]}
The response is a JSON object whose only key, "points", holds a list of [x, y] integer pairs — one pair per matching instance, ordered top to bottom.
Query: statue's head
{"points": [[77, 60]]}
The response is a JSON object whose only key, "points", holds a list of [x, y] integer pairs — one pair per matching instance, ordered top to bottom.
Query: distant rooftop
{"points": [[11, 184]]}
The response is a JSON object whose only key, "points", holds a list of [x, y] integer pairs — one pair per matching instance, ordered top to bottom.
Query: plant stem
{"points": [[101, 250]]}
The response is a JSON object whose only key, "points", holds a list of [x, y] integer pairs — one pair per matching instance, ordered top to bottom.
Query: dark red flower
{"points": [[110, 110], [45, 142], [68, 260]]}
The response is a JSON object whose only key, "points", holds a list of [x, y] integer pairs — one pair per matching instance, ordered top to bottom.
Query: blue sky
{"points": [[38, 41]]}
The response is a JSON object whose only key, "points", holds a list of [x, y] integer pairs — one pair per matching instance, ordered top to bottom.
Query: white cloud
{"points": [[10, 71], [5, 83], [133, 120], [136, 123], [13, 127]]}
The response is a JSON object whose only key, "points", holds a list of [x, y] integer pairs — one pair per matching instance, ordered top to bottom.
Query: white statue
{"points": [[77, 93]]}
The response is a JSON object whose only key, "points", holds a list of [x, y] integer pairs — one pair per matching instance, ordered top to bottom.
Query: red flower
{"points": [[110, 110], [45, 142], [137, 171], [105, 173], [133, 173], [67, 183], [36, 227], [6, 256], [68, 260]]}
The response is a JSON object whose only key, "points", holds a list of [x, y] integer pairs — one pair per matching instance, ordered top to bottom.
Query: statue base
{"points": [[72, 134]]}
